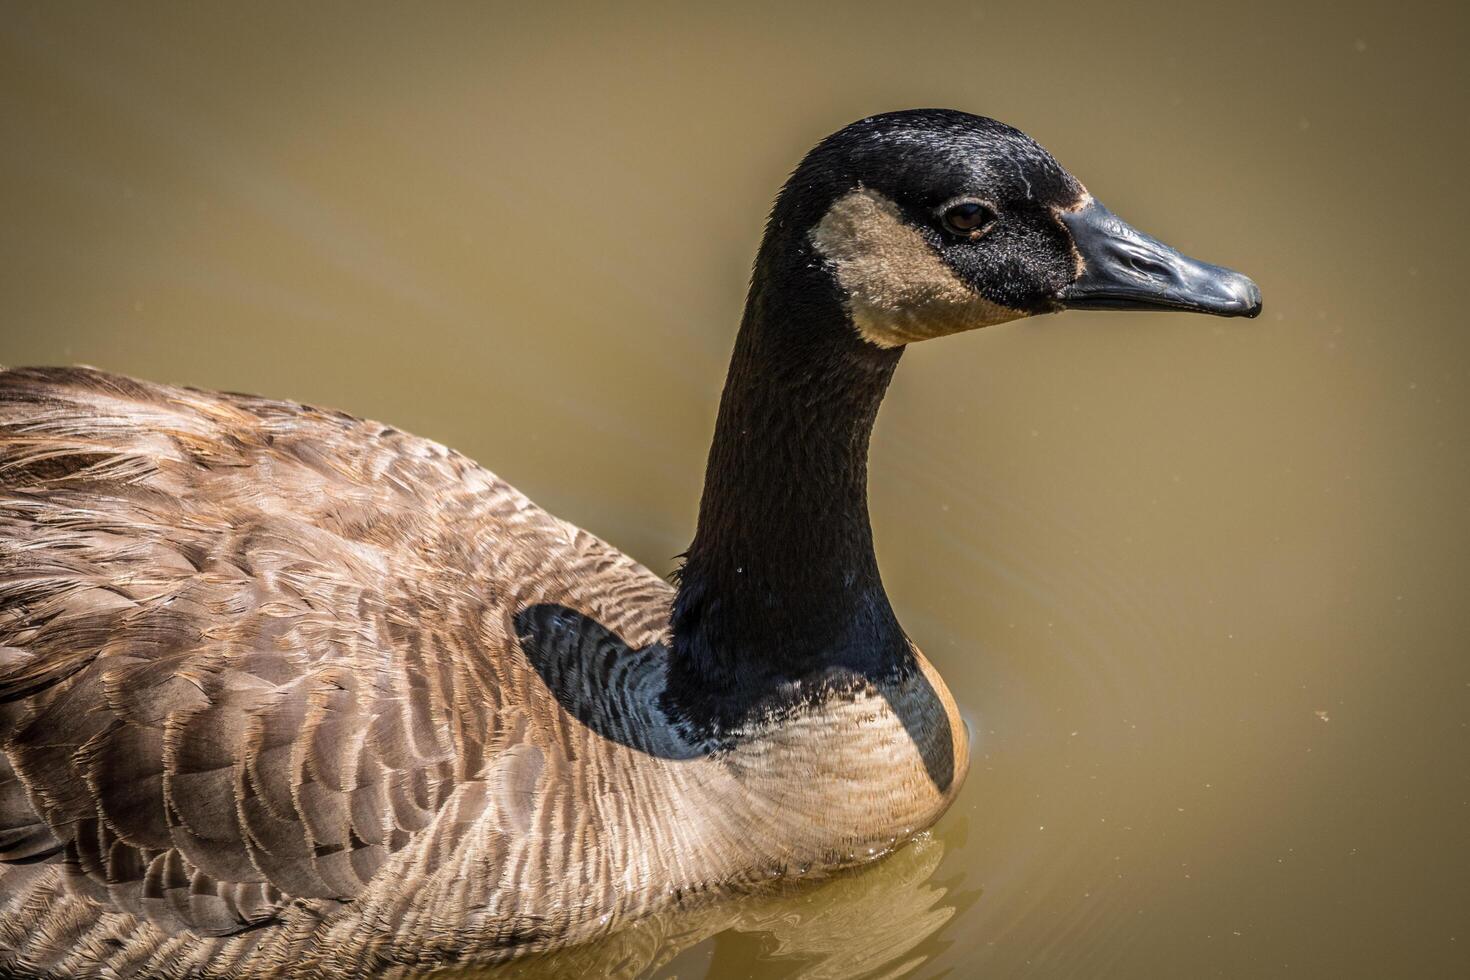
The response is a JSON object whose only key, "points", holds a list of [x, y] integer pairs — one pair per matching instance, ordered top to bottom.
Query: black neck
{"points": [[781, 583]]}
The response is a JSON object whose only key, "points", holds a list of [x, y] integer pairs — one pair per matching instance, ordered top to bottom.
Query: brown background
{"points": [[1199, 584]]}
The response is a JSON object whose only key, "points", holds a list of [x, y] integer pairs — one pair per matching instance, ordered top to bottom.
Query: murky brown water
{"points": [[1200, 585]]}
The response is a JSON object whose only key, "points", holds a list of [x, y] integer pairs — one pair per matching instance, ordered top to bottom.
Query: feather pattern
{"points": [[282, 690]]}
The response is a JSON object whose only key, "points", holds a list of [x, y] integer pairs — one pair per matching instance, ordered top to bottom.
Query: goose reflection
{"points": [[882, 921]]}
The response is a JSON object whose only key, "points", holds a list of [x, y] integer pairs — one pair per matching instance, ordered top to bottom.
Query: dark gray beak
{"points": [[1124, 269]]}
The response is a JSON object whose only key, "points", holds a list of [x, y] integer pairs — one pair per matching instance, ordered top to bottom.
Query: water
{"points": [[1199, 585]]}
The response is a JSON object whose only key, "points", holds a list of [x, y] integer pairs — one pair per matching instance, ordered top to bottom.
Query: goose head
{"points": [[932, 222], [896, 229]]}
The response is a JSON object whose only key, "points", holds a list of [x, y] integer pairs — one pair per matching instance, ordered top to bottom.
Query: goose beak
{"points": [[1124, 269]]}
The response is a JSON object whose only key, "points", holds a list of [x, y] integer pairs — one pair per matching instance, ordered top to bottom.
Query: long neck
{"points": [[780, 583]]}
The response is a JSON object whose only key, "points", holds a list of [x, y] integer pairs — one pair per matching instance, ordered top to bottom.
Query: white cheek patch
{"points": [[898, 289]]}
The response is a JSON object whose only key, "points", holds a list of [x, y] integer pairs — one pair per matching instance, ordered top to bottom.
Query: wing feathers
{"points": [[254, 655]]}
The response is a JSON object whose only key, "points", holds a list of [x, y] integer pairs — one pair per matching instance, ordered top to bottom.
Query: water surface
{"points": [[1199, 585]]}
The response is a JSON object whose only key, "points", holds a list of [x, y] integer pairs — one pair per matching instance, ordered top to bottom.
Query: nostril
{"points": [[1147, 267]]}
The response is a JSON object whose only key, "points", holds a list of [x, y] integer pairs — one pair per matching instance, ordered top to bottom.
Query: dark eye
{"points": [[967, 217]]}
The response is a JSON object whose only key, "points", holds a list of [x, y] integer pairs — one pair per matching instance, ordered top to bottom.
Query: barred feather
{"points": [[266, 706]]}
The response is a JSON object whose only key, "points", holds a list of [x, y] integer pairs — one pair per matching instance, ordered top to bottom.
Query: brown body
{"points": [[281, 689]]}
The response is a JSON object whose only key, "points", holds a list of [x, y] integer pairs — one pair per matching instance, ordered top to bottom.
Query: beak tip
{"points": [[1249, 297]]}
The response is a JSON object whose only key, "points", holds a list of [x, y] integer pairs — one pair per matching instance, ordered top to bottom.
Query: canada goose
{"points": [[285, 691]]}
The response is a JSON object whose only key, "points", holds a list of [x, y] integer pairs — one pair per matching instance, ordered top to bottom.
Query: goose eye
{"points": [[966, 218]]}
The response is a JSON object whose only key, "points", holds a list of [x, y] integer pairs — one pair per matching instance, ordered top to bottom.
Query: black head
{"points": [[933, 221], [900, 227]]}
